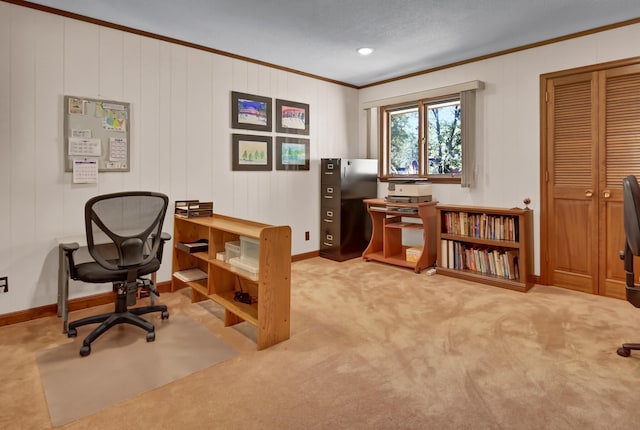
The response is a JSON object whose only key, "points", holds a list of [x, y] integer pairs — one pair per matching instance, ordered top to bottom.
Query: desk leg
{"points": [[63, 288]]}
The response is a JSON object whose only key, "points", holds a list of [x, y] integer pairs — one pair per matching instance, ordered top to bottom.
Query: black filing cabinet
{"points": [[345, 225]]}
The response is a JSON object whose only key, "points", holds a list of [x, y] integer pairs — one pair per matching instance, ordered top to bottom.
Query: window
{"points": [[423, 138]]}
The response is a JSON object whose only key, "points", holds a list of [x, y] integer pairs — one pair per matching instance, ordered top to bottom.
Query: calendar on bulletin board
{"points": [[96, 134]]}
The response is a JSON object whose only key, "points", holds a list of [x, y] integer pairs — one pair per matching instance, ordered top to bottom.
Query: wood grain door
{"points": [[592, 131], [619, 154], [572, 181]]}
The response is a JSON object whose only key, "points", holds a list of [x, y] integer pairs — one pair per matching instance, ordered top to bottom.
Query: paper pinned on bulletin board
{"points": [[86, 147], [117, 149], [85, 171]]}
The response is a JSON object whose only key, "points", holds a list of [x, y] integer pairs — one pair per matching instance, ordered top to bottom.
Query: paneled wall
{"points": [[508, 115], [180, 138]]}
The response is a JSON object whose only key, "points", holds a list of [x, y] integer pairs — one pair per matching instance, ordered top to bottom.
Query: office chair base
{"points": [[108, 320], [625, 349]]}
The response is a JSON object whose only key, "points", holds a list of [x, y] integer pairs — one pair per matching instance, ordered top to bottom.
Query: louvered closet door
{"points": [[619, 152], [572, 182]]}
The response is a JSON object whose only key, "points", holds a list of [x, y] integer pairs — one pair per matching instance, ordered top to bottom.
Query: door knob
{"points": [[588, 193], [606, 194]]}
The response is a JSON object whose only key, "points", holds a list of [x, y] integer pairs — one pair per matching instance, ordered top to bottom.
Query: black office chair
{"points": [[125, 239], [631, 248]]}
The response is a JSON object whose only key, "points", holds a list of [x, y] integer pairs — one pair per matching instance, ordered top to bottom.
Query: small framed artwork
{"points": [[250, 112], [292, 117], [250, 152], [292, 153]]}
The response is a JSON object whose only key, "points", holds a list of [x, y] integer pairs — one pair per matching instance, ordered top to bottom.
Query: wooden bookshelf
{"points": [[388, 222], [485, 244], [271, 286]]}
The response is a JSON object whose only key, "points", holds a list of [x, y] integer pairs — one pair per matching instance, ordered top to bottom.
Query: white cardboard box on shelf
{"points": [[413, 253]]}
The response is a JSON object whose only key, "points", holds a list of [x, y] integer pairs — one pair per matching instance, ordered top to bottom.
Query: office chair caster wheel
{"points": [[165, 315], [72, 332], [151, 336], [85, 350], [624, 352]]}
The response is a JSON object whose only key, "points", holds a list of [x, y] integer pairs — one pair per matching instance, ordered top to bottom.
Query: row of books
{"points": [[495, 227], [486, 260]]}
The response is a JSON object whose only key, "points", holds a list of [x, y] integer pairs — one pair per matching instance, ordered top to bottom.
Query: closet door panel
{"points": [[619, 154], [573, 181]]}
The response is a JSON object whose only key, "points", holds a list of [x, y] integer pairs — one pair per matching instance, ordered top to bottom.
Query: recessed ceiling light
{"points": [[365, 51]]}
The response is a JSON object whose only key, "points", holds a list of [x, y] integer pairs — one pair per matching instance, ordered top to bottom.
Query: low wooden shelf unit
{"points": [[388, 222], [485, 244], [271, 286]]}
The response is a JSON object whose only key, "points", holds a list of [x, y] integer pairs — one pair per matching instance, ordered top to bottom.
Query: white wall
{"points": [[508, 119], [180, 133], [180, 138]]}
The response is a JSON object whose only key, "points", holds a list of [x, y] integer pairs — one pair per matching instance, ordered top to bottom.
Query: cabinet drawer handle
{"points": [[330, 190], [328, 197], [330, 214], [327, 220], [329, 237], [327, 244]]}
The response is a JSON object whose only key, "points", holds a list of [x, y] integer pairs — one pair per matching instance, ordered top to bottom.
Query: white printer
{"points": [[405, 190]]}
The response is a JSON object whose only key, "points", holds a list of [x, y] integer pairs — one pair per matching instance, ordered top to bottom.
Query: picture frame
{"points": [[250, 112], [292, 117], [251, 152], [292, 153]]}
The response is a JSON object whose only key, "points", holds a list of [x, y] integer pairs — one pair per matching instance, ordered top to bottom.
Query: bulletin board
{"points": [[96, 133]]}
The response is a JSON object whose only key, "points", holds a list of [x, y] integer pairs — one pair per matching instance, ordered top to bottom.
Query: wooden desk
{"points": [[388, 221]]}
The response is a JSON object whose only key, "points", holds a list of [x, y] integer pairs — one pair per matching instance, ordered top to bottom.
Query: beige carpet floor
{"points": [[378, 347], [122, 364]]}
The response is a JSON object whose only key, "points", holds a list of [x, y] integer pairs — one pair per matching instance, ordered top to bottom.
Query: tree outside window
{"points": [[435, 123]]}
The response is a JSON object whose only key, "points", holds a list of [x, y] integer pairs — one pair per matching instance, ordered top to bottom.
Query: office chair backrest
{"points": [[631, 213], [131, 220]]}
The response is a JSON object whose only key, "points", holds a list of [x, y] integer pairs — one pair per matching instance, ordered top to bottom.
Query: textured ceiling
{"points": [[320, 37]]}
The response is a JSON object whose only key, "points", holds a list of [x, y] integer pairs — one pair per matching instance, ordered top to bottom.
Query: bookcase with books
{"points": [[485, 244], [261, 297]]}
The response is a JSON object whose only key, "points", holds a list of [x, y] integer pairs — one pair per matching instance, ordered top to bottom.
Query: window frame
{"points": [[385, 147]]}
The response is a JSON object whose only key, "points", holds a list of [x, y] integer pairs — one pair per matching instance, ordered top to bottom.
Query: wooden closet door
{"points": [[619, 154], [572, 182]]}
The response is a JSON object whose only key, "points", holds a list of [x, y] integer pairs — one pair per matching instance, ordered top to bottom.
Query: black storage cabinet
{"points": [[345, 225]]}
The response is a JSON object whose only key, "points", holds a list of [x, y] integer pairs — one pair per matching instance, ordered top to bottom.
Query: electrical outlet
{"points": [[306, 235], [4, 284]]}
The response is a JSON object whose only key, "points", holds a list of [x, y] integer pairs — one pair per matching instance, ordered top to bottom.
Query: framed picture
{"points": [[250, 112], [292, 117], [251, 152], [292, 153]]}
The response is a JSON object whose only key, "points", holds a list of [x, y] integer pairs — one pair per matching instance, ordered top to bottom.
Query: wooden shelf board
{"points": [[407, 225], [480, 241], [398, 260], [242, 273], [485, 279], [247, 312]]}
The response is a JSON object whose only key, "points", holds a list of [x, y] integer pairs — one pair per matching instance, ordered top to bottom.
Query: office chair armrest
{"points": [[163, 238], [69, 249]]}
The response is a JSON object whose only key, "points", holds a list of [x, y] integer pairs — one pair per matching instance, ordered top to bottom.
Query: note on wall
{"points": [[88, 147], [117, 149], [85, 171]]}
